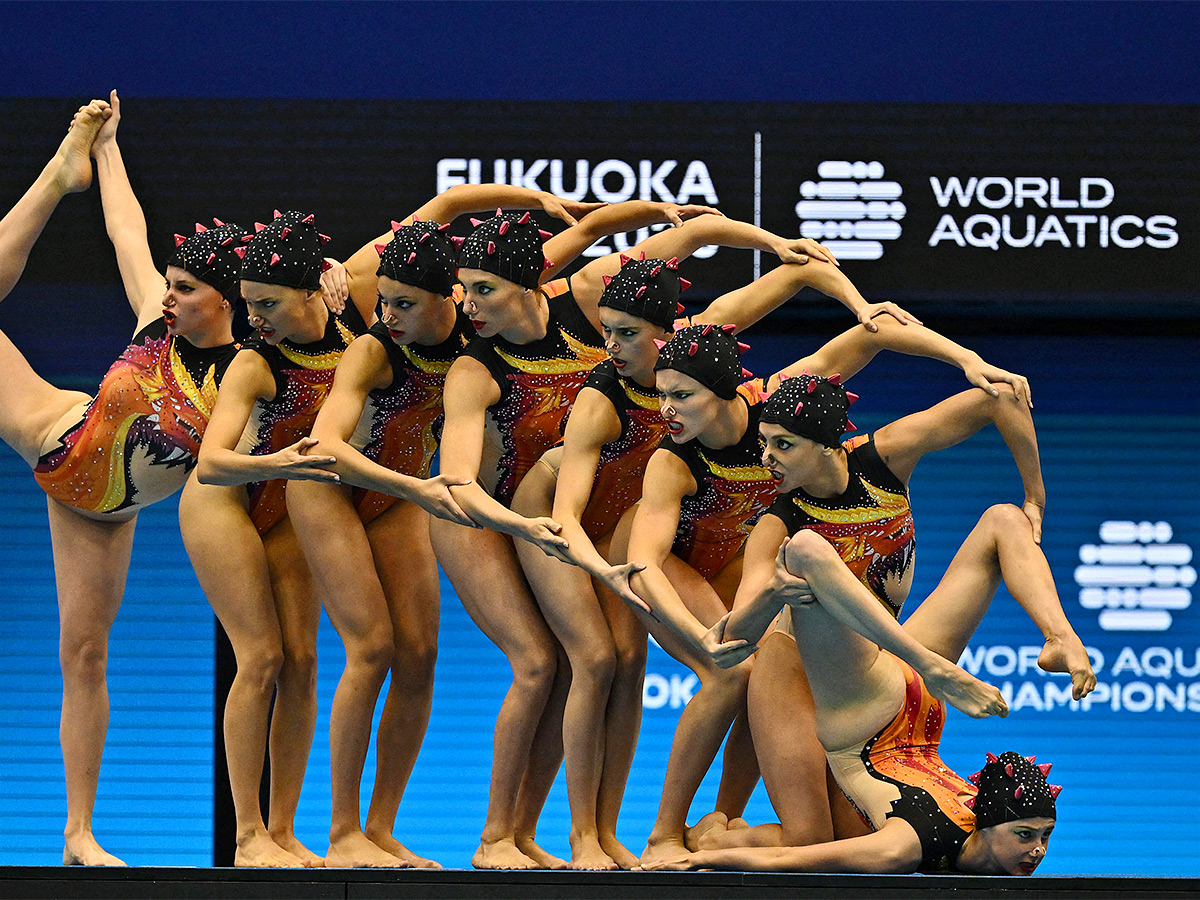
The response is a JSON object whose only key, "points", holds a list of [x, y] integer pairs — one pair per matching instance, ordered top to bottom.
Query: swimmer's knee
{"points": [[1004, 517], [804, 549], [372, 650], [84, 657], [631, 659], [597, 663], [413, 664], [299, 665], [260, 667], [535, 669], [735, 679]]}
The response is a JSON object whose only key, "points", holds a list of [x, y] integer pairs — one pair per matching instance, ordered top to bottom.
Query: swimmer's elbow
{"points": [[204, 470], [208, 470]]}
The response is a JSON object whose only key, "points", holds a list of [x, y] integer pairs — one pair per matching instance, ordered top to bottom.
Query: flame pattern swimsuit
{"points": [[303, 375], [538, 383], [401, 424], [139, 438], [618, 483], [733, 489], [870, 524], [898, 772]]}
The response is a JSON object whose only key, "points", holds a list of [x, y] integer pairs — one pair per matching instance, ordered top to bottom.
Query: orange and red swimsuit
{"points": [[303, 375], [538, 383], [401, 424], [140, 436], [622, 464], [732, 491], [870, 524], [898, 772]]}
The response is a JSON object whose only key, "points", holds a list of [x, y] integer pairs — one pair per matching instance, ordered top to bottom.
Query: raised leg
{"points": [[69, 171], [30, 407], [1001, 547], [91, 560], [231, 566], [483, 568], [855, 686]]}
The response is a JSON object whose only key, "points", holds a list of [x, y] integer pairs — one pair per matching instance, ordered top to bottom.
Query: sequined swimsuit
{"points": [[303, 374], [538, 382], [401, 424], [139, 437], [618, 482], [732, 491], [870, 524], [898, 772]]}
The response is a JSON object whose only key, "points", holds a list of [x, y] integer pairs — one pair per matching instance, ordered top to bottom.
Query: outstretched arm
{"points": [[468, 198], [448, 206], [126, 224], [681, 242], [565, 247], [748, 304], [850, 351], [363, 368], [247, 379], [469, 391], [593, 423], [902, 443], [667, 481], [766, 585], [894, 849]]}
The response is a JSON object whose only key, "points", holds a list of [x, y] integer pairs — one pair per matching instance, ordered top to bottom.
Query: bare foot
{"points": [[72, 163], [1067, 654], [965, 692], [738, 824], [692, 836], [288, 842], [390, 845], [82, 849], [260, 851], [354, 851], [662, 851], [618, 852], [501, 854], [588, 855], [544, 860]]}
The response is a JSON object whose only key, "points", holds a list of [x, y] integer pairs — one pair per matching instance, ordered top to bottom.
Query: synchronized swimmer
{"points": [[608, 471]]}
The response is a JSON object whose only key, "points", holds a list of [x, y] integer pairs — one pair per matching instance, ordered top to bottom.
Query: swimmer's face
{"points": [[493, 303], [191, 306], [279, 312], [412, 315], [629, 342], [687, 406], [792, 459], [1017, 847]]}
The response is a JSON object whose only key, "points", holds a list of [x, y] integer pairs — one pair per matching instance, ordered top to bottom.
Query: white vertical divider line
{"points": [[757, 198]]}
